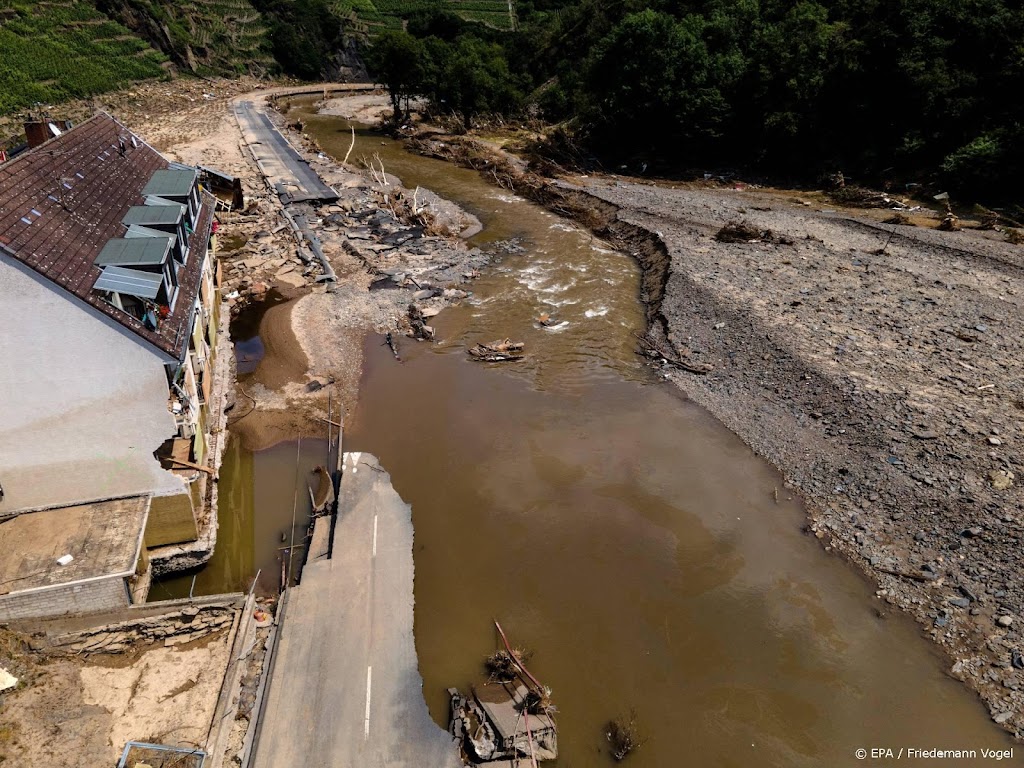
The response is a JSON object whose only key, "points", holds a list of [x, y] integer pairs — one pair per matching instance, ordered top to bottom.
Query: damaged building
{"points": [[109, 310]]}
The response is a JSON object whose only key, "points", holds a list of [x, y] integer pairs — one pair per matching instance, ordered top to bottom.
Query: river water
{"points": [[614, 528]]}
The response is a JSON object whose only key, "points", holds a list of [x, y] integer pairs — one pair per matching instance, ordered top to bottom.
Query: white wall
{"points": [[83, 402]]}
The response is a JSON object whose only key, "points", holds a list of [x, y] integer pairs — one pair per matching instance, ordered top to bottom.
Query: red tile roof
{"points": [[62, 201]]}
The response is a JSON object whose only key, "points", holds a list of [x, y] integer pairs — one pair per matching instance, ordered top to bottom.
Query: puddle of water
{"points": [[245, 332], [258, 493]]}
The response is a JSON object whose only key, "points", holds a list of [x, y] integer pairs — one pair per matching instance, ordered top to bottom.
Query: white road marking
{"points": [[355, 461], [374, 535], [366, 721]]}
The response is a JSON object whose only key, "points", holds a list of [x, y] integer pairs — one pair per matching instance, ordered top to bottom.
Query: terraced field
{"points": [[388, 14], [205, 36], [67, 49], [55, 51]]}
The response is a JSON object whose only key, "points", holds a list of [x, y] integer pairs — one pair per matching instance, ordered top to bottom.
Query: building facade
{"points": [[109, 310]]}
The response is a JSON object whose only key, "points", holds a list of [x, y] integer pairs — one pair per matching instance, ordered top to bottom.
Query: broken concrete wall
{"points": [[180, 626]]}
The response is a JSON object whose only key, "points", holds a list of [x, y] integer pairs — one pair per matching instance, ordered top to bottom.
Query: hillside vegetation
{"points": [[390, 14], [202, 36], [66, 49], [55, 51], [884, 90]]}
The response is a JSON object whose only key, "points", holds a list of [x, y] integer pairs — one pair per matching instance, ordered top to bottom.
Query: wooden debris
{"points": [[860, 197], [390, 341], [497, 351], [654, 351], [189, 464], [906, 575], [501, 667], [623, 735]]}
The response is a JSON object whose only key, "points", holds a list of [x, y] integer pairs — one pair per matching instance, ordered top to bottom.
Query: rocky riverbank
{"points": [[389, 248], [878, 366]]}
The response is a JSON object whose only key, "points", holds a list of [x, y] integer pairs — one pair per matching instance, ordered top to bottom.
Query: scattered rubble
{"points": [[191, 623], [508, 719]]}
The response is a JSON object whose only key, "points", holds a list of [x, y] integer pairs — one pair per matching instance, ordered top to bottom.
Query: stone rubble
{"points": [[191, 623]]}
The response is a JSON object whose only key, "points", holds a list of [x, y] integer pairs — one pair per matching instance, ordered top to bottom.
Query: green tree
{"points": [[397, 60], [471, 77], [653, 82]]}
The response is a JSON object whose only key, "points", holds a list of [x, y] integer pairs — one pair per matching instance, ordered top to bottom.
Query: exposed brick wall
{"points": [[101, 595]]}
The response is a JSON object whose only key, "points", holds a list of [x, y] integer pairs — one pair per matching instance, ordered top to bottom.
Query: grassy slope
{"points": [[51, 52]]}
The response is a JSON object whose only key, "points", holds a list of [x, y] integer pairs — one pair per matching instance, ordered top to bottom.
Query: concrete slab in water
{"points": [[285, 167], [346, 688]]}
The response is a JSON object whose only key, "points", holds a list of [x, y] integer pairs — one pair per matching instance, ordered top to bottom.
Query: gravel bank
{"points": [[888, 386]]}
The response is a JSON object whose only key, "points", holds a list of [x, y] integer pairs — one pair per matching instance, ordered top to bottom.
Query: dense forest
{"points": [[881, 89], [884, 90]]}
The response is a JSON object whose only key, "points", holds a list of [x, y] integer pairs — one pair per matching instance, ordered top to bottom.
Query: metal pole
{"points": [[329, 415], [295, 506], [255, 579]]}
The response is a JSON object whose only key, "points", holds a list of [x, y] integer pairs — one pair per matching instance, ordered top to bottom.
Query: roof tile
{"points": [[73, 191]]}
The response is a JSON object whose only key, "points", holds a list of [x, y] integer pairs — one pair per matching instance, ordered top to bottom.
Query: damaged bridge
{"points": [[345, 688]]}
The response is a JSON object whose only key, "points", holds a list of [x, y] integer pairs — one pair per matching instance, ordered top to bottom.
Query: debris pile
{"points": [[861, 197], [950, 221], [742, 232], [418, 327], [497, 351], [503, 667], [509, 718], [623, 736]]}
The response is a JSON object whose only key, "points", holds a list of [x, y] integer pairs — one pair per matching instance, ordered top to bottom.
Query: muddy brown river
{"points": [[614, 528]]}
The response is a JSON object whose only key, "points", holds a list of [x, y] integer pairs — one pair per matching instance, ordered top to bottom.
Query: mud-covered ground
{"points": [[80, 712]]}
